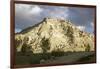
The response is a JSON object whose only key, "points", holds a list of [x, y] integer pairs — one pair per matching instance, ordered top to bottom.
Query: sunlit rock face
{"points": [[53, 35]]}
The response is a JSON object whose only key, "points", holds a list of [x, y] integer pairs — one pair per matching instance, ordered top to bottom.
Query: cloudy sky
{"points": [[27, 15]]}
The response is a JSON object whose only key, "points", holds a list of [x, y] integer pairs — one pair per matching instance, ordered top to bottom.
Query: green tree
{"points": [[69, 33], [45, 45], [87, 48], [26, 49]]}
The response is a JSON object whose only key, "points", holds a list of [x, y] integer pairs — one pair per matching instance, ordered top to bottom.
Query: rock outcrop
{"points": [[53, 35]]}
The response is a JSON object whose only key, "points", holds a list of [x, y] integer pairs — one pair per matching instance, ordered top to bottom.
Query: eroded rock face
{"points": [[53, 35]]}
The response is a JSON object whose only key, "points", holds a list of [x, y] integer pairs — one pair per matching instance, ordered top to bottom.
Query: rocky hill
{"points": [[53, 35]]}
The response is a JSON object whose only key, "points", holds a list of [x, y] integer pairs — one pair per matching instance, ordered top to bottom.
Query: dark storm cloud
{"points": [[54, 11], [28, 15], [81, 16]]}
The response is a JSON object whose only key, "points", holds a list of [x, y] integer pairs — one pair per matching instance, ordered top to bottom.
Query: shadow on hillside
{"points": [[54, 58]]}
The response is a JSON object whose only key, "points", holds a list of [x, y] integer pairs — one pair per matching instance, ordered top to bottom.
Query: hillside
{"points": [[54, 35]]}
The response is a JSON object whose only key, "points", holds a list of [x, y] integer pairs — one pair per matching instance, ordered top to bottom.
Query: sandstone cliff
{"points": [[53, 35]]}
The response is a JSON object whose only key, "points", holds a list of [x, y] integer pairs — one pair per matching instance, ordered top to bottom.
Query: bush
{"points": [[45, 45], [87, 48], [57, 54]]}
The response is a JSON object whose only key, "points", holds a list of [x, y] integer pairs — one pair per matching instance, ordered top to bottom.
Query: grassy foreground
{"points": [[54, 58]]}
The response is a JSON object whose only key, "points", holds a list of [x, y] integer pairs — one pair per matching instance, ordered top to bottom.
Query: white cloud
{"points": [[22, 8], [27, 10], [36, 10], [30, 11], [58, 12], [27, 13], [32, 14], [61, 15], [92, 24], [82, 28], [17, 30]]}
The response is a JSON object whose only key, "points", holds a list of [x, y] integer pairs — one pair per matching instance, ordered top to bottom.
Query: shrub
{"points": [[45, 45], [87, 48]]}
